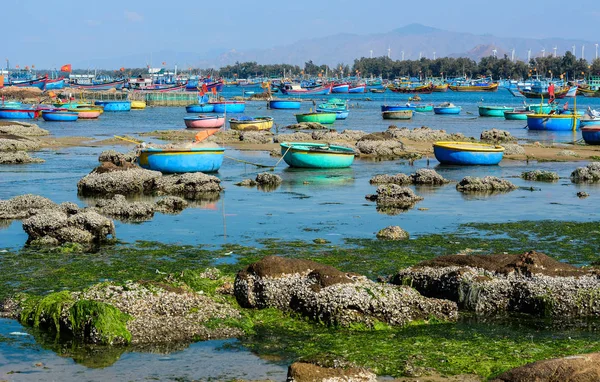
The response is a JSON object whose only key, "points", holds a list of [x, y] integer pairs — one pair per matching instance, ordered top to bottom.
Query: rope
{"points": [[128, 140], [286, 151], [254, 164]]}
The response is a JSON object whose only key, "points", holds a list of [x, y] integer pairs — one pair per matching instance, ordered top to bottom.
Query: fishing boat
{"points": [[39, 83], [55, 83], [479, 85], [100, 86], [162, 88], [340, 88], [358, 88], [440, 88], [410, 89], [539, 89], [297, 90], [375, 90], [284, 104], [122, 105], [334, 105], [228, 106], [407, 106], [200, 108], [423, 108], [447, 108], [494, 111], [19, 113], [88, 113], [339, 114], [397, 114], [517, 114], [59, 115], [325, 118], [591, 118], [204, 122], [553, 122], [251, 123], [591, 134], [467, 153], [316, 155], [170, 161]]}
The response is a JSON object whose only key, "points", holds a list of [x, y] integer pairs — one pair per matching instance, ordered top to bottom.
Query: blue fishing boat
{"points": [[100, 85], [340, 88], [284, 104], [114, 105], [229, 106], [398, 107], [200, 108], [447, 108], [19, 113], [339, 114], [59, 115], [553, 122], [591, 134], [467, 153], [316, 155], [172, 161]]}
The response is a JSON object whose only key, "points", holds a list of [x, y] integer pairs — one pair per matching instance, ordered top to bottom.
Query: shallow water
{"points": [[309, 204]]}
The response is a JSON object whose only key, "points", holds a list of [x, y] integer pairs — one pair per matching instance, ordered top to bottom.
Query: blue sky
{"points": [[42, 34]]}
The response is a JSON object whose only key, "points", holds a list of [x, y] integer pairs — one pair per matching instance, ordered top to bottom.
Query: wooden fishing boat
{"points": [[39, 83], [55, 83], [100, 86], [483, 87], [162, 88], [340, 88], [358, 88], [440, 88], [421, 89], [296, 90], [558, 93], [284, 104], [122, 105], [138, 105], [228, 106], [200, 108], [446, 108], [494, 111], [19, 113], [398, 114], [60, 115], [517, 115], [325, 118], [204, 122], [553, 122], [251, 123], [591, 134], [467, 153], [316, 155], [170, 161]]}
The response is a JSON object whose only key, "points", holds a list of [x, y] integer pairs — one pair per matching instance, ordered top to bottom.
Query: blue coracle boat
{"points": [[284, 104], [114, 105], [229, 107], [397, 107], [200, 108], [447, 108], [18, 113], [59, 116], [553, 122], [591, 134], [467, 153], [316, 155], [172, 161]]}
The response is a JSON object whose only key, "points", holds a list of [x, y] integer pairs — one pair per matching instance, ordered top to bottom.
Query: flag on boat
{"points": [[66, 68], [122, 69], [204, 88]]}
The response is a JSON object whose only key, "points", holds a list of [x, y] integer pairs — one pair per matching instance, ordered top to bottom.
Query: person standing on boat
{"points": [[551, 92]]}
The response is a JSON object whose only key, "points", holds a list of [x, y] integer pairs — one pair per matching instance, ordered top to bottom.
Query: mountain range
{"points": [[409, 42]]}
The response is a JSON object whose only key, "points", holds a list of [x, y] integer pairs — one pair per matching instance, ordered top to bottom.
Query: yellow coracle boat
{"points": [[138, 105], [247, 123]]}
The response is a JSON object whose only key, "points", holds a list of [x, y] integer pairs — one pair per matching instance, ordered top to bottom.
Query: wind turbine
{"points": [[555, 47], [494, 51], [574, 51], [596, 51], [389, 52], [543, 52], [371, 53], [582, 54], [402, 55], [420, 55], [434, 55], [512, 56], [528, 56]]}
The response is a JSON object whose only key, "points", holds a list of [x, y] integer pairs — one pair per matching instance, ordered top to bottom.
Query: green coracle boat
{"points": [[494, 111], [322, 118]]}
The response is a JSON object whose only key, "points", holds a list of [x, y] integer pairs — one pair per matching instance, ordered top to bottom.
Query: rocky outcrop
{"points": [[306, 126], [22, 129], [424, 134], [298, 136], [333, 136], [497, 136], [259, 137], [16, 143], [367, 145], [513, 149], [18, 157], [117, 158], [587, 174], [425, 176], [540, 176], [268, 179], [399, 179], [246, 183], [487, 184], [193, 186], [393, 199], [170, 205], [24, 206], [119, 207], [53, 227], [392, 233], [530, 283], [328, 295], [576, 368], [308, 372]]}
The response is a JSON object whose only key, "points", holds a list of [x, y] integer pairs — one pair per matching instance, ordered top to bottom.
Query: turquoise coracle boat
{"points": [[494, 111], [467, 153], [316, 155], [172, 161]]}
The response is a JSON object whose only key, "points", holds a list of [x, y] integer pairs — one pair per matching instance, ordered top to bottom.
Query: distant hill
{"points": [[415, 40]]}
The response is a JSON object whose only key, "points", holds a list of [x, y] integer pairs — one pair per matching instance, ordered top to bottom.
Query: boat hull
{"points": [[104, 86], [340, 88], [484, 88], [358, 89], [307, 92], [284, 104], [114, 105], [138, 105], [228, 107], [397, 107], [200, 108], [424, 108], [447, 110], [494, 111], [9, 113], [89, 113], [399, 114], [517, 115], [60, 116], [325, 118], [206, 122], [552, 122], [589, 122], [265, 123], [591, 134], [467, 153], [316, 155], [180, 161]]}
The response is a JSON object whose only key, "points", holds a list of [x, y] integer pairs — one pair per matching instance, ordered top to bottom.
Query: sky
{"points": [[39, 33]]}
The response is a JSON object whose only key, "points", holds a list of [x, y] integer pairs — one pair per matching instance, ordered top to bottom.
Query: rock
{"points": [[307, 126], [22, 129], [425, 134], [332, 136], [497, 136], [260, 137], [295, 137], [16, 143], [380, 148], [513, 149], [567, 153], [18, 157], [117, 158], [111, 167], [589, 173], [540, 175], [428, 176], [268, 179], [399, 179], [126, 182], [247, 183], [486, 184], [191, 186], [582, 194], [393, 199], [170, 205], [24, 206], [119, 207], [69, 208], [392, 233], [321, 241], [529, 283], [327, 295], [576, 368], [307, 372]]}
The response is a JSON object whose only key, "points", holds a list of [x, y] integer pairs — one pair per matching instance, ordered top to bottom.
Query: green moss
{"points": [[46, 312], [108, 323]]}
